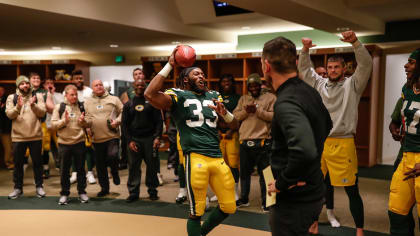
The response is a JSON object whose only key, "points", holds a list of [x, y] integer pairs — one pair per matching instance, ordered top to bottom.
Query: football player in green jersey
{"points": [[196, 110], [229, 138], [404, 189]]}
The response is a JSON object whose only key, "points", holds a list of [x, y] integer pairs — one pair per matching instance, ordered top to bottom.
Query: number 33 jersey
{"points": [[410, 113], [195, 121]]}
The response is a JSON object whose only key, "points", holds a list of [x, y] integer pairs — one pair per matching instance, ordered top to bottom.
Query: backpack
{"points": [[15, 100], [63, 108], [81, 108]]}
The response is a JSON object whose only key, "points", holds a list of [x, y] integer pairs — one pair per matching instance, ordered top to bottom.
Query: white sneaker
{"points": [[73, 177], [90, 177], [160, 179], [40, 192], [15, 194], [182, 196], [83, 198], [213, 199], [63, 200], [331, 218]]}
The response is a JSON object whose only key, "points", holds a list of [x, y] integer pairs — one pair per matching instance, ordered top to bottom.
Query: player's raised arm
{"points": [[153, 94]]}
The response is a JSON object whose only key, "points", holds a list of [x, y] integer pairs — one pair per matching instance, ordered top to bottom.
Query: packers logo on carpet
{"points": [[139, 108]]}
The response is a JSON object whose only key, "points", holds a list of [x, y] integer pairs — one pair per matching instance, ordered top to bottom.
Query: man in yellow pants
{"points": [[196, 110]]}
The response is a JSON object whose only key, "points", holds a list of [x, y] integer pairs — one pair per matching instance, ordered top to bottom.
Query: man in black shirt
{"points": [[142, 125], [300, 125], [5, 130]]}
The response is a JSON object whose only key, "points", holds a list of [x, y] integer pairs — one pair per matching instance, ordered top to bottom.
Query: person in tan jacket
{"points": [[25, 109], [255, 111], [103, 114], [68, 119]]}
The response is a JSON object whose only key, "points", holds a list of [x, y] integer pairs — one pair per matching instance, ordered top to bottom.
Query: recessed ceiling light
{"points": [[245, 27], [342, 29], [176, 42], [113, 45], [56, 48]]}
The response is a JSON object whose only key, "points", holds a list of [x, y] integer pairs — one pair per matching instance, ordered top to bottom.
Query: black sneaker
{"points": [[46, 174], [116, 178], [102, 193], [153, 197], [132, 198], [242, 203]]}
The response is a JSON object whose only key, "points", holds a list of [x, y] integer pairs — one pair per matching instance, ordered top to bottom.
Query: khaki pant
{"points": [[6, 141]]}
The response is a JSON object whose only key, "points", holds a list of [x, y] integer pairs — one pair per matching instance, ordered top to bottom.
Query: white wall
{"points": [[111, 73], [395, 78]]}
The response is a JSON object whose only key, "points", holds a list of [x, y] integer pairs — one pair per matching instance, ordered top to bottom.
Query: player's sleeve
{"points": [[174, 96], [396, 114]]}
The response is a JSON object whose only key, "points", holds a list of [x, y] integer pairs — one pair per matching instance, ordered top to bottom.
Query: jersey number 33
{"points": [[200, 113]]}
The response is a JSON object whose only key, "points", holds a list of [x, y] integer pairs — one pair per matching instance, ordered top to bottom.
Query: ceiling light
{"points": [[245, 27], [342, 29], [176, 42], [113, 45], [56, 48], [36, 53]]}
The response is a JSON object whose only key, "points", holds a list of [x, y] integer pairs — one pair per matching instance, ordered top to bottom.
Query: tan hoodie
{"points": [[98, 111], [26, 124], [255, 125], [73, 132]]}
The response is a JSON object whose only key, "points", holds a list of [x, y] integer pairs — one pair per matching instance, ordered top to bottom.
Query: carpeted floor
{"points": [[374, 191]]}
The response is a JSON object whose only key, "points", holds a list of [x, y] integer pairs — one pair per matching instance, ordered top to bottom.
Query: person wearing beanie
{"points": [[25, 109], [255, 111], [402, 223]]}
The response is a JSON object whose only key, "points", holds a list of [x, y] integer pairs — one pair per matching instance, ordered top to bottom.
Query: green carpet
{"points": [[240, 218]]}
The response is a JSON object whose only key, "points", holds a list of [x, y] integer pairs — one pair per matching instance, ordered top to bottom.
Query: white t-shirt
{"points": [[83, 94], [57, 99]]}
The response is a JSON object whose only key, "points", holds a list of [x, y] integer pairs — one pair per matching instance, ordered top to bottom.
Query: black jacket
{"points": [[141, 120], [5, 122], [300, 125]]}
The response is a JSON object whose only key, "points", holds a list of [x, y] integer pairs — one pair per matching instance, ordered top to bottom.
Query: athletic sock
{"points": [[216, 217], [400, 224], [194, 227]]}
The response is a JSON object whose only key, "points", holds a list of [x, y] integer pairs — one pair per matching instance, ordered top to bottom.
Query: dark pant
{"points": [[173, 150], [19, 151], [75, 152], [145, 152], [106, 154], [251, 156], [89, 159], [123, 160], [329, 194], [293, 219]]}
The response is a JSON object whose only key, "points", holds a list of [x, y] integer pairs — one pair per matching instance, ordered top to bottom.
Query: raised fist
{"points": [[349, 37], [307, 43]]}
